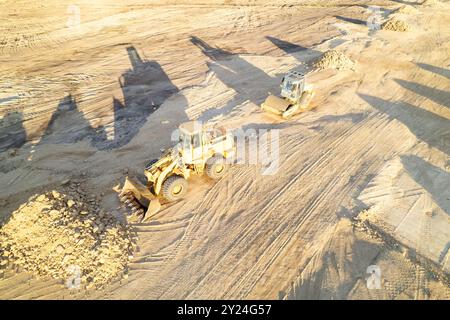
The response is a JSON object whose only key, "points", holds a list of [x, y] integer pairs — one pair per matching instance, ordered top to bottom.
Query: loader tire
{"points": [[216, 167], [174, 188]]}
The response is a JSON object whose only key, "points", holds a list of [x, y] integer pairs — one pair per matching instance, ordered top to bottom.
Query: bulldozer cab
{"points": [[292, 86], [194, 142]]}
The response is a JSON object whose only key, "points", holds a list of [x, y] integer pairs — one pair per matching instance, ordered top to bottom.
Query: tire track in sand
{"points": [[246, 233]]}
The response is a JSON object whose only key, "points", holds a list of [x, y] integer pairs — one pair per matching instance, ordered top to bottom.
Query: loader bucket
{"points": [[275, 105], [139, 199]]}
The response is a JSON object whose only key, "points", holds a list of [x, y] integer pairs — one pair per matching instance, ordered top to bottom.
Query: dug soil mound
{"points": [[395, 24], [334, 59], [67, 237]]}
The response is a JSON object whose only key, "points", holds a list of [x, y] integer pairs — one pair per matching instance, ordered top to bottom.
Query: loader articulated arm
{"points": [[163, 175]]}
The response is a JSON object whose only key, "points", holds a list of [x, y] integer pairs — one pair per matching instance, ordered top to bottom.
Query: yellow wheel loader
{"points": [[295, 97], [201, 150]]}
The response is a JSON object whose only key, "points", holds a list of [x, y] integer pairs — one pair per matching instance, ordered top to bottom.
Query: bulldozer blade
{"points": [[275, 105]]}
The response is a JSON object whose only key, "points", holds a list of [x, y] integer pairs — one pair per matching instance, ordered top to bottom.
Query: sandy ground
{"points": [[96, 101]]}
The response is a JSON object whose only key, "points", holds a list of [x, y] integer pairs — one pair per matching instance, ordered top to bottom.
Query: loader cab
{"points": [[292, 86], [192, 140]]}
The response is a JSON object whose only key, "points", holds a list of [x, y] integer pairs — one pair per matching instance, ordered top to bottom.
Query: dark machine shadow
{"points": [[351, 20], [286, 46], [213, 53], [303, 54], [437, 70], [233, 71], [145, 87], [439, 96], [354, 117], [67, 124], [426, 126], [12, 131], [431, 178], [444, 253]]}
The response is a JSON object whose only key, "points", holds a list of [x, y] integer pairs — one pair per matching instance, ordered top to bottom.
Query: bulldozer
{"points": [[295, 97], [202, 149]]}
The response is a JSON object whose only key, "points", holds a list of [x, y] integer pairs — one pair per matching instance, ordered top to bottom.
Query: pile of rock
{"points": [[395, 24], [334, 59], [66, 236]]}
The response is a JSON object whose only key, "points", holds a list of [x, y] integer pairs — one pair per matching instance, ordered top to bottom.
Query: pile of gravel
{"points": [[395, 24], [334, 59], [66, 237]]}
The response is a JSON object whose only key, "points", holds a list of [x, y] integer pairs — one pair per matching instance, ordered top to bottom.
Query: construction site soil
{"points": [[91, 92]]}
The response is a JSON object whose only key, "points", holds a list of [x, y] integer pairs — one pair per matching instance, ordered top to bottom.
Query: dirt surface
{"points": [[395, 24], [98, 100], [339, 269]]}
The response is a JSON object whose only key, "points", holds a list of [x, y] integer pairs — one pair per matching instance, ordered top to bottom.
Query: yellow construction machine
{"points": [[295, 97], [201, 149]]}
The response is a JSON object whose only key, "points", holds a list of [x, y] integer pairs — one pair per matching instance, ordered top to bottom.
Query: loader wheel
{"points": [[216, 167], [174, 188]]}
